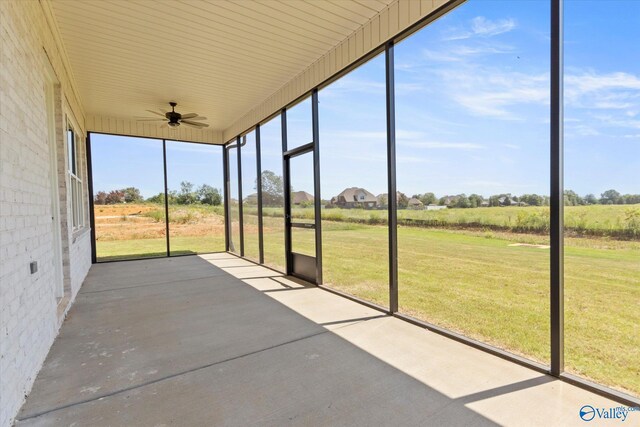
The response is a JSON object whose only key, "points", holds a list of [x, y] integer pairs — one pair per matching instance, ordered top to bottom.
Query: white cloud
{"points": [[482, 27], [485, 27], [481, 49], [464, 52], [440, 56], [591, 82], [350, 84], [410, 87], [493, 93], [499, 93], [616, 93], [608, 103], [615, 121], [572, 130], [355, 135], [409, 135], [414, 139], [417, 139], [464, 146], [369, 158], [414, 159]]}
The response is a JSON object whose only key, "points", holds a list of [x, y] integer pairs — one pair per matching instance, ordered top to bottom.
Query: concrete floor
{"points": [[216, 340]]}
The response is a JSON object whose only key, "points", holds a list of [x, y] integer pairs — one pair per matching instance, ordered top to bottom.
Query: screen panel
{"points": [[472, 122], [299, 124], [354, 184], [128, 187], [195, 190], [602, 192], [272, 193], [250, 196], [233, 210]]}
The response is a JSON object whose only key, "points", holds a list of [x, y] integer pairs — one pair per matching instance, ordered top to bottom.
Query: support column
{"points": [[391, 176], [557, 193]]}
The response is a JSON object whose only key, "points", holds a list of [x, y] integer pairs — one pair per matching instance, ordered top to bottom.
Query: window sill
{"points": [[80, 232]]}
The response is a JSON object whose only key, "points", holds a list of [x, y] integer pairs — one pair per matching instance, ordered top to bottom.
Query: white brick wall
{"points": [[80, 260], [29, 318]]}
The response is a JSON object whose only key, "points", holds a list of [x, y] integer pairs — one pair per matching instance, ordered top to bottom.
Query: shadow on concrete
{"points": [[180, 340]]}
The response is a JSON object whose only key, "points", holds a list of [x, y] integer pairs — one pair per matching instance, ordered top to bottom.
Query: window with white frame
{"points": [[75, 183]]}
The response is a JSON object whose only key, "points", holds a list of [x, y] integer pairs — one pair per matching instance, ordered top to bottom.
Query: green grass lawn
{"points": [[622, 221], [251, 247], [150, 248], [473, 282], [479, 285], [484, 288]]}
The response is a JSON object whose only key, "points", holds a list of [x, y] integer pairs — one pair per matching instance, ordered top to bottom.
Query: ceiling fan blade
{"points": [[155, 112], [189, 116], [197, 118], [194, 124]]}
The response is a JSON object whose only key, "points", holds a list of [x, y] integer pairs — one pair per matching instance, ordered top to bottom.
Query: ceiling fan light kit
{"points": [[173, 119]]}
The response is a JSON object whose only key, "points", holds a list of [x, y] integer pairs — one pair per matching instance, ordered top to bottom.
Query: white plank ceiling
{"points": [[216, 58]]}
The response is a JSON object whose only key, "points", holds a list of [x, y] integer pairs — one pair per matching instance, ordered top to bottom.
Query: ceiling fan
{"points": [[174, 119]]}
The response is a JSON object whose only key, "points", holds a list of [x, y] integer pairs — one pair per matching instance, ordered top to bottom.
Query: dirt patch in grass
{"points": [[123, 209], [146, 221], [529, 245]]}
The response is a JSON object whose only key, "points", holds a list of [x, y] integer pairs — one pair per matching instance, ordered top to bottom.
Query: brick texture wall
{"points": [[30, 311]]}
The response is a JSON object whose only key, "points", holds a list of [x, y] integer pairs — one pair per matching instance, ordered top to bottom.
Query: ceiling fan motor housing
{"points": [[172, 116], [175, 119]]}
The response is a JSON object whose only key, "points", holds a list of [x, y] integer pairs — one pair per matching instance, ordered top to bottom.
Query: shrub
{"points": [[156, 215], [184, 217], [534, 221], [632, 222]]}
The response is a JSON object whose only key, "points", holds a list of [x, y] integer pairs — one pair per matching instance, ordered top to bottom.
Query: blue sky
{"points": [[472, 103], [120, 162]]}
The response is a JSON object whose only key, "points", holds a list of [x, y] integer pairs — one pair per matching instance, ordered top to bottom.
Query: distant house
{"points": [[300, 197], [355, 197], [251, 199], [383, 199], [449, 200], [509, 201], [415, 204], [485, 204], [433, 207]]}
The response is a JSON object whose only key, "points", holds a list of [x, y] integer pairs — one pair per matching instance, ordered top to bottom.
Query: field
{"points": [[617, 221], [138, 230], [479, 274]]}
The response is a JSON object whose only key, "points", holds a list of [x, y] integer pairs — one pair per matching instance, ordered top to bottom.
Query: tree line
{"points": [[187, 195], [273, 195], [571, 198]]}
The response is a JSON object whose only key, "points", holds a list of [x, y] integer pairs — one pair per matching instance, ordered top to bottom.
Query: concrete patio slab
{"points": [[203, 347]]}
